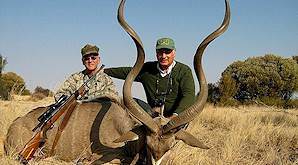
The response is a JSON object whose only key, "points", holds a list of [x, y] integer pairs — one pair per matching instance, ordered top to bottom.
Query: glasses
{"points": [[166, 51], [89, 57]]}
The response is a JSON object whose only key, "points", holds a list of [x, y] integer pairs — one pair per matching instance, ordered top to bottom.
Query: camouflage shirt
{"points": [[101, 86]]}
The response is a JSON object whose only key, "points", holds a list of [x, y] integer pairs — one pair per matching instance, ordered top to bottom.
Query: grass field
{"points": [[243, 135]]}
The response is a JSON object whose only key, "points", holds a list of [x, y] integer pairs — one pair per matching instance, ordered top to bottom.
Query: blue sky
{"points": [[42, 39]]}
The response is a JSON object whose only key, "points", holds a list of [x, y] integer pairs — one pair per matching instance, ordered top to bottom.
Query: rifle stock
{"points": [[31, 147]]}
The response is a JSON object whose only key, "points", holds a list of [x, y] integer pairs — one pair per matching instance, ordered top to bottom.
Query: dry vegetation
{"points": [[244, 135]]}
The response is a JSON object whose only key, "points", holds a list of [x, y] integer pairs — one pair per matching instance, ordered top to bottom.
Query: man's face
{"points": [[165, 57], [91, 61]]}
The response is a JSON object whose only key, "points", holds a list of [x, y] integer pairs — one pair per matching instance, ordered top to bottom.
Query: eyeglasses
{"points": [[166, 51], [89, 57]]}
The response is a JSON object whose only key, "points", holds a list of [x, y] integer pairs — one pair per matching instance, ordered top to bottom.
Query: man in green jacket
{"points": [[168, 83]]}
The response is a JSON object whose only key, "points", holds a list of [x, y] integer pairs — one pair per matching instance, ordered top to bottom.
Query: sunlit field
{"points": [[243, 135]]}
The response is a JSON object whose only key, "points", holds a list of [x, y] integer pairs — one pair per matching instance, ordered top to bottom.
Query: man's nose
{"points": [[163, 55], [89, 60]]}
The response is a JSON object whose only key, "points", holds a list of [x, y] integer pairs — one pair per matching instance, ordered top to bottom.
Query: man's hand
{"points": [[173, 116]]}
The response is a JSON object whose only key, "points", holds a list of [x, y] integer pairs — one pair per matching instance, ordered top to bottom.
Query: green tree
{"points": [[295, 58], [260, 78], [11, 83], [3, 90], [227, 90], [44, 91], [40, 93], [213, 93]]}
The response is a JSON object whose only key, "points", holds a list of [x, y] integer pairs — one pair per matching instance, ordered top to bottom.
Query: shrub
{"points": [[270, 79], [11, 83], [3, 90], [26, 92], [40, 93], [213, 93], [38, 96], [272, 101], [292, 103]]}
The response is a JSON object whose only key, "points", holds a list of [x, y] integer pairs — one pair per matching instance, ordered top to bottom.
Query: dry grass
{"points": [[19, 106], [9, 111], [245, 135]]}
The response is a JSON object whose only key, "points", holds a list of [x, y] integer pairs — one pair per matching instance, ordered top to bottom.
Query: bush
{"points": [[270, 79], [11, 83], [3, 90], [26, 92], [45, 92], [41, 93], [213, 93], [38, 96], [272, 101], [229, 102], [292, 103]]}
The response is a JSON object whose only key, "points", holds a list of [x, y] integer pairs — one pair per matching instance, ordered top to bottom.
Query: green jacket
{"points": [[180, 85]]}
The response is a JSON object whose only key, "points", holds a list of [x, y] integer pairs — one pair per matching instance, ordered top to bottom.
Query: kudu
{"points": [[104, 131]]}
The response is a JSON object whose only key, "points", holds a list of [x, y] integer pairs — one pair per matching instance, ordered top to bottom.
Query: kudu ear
{"points": [[128, 136], [189, 139]]}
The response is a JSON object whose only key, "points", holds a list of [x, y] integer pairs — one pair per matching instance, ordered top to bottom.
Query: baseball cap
{"points": [[167, 43], [89, 49]]}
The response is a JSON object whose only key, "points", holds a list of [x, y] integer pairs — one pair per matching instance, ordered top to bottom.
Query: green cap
{"points": [[167, 43], [89, 49]]}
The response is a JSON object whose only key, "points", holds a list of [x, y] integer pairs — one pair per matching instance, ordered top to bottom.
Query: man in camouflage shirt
{"points": [[102, 86]]}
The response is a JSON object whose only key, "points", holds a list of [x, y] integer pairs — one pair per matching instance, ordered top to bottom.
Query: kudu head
{"points": [[162, 133]]}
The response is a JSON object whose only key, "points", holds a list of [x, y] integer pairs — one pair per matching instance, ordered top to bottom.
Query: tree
{"points": [[295, 58], [3, 62], [260, 78], [11, 83], [3, 90], [227, 90], [40, 93], [213, 93]]}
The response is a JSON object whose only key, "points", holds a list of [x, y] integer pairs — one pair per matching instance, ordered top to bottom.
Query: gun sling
{"points": [[66, 117], [62, 125]]}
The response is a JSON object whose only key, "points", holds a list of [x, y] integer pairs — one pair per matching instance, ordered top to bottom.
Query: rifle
{"points": [[48, 118]]}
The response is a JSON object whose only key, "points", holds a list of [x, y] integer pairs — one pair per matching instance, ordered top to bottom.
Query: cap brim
{"points": [[165, 47], [90, 52]]}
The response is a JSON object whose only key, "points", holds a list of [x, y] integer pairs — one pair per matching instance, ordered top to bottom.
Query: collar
{"points": [[163, 73]]}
